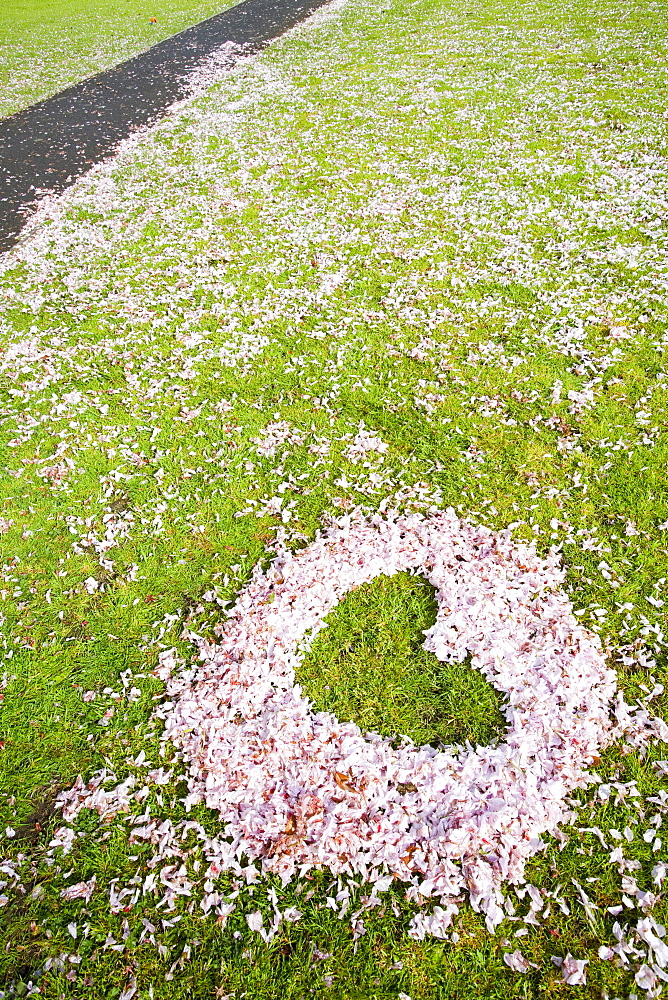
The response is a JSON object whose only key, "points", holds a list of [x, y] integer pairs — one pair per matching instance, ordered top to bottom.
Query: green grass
{"points": [[45, 45], [435, 220], [369, 667]]}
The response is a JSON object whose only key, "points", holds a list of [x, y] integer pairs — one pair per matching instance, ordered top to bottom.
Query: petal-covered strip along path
{"points": [[46, 147]]}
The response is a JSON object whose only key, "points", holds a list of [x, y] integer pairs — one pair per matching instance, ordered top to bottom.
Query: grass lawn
{"points": [[46, 45], [448, 225]]}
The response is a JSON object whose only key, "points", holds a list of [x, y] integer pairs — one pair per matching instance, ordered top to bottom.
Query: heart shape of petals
{"points": [[298, 789]]}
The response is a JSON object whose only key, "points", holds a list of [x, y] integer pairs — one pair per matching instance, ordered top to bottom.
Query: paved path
{"points": [[49, 145]]}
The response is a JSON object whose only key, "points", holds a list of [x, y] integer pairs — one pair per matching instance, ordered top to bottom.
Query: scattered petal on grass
{"points": [[82, 890], [516, 961], [573, 970]]}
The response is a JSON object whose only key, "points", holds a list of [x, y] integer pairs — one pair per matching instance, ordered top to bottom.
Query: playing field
{"points": [[48, 44], [411, 257]]}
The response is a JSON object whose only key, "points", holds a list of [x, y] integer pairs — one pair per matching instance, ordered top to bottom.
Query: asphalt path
{"points": [[49, 145]]}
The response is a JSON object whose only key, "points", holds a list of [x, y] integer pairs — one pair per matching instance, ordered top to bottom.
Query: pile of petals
{"points": [[297, 789]]}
